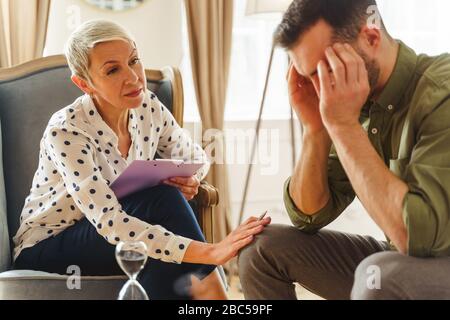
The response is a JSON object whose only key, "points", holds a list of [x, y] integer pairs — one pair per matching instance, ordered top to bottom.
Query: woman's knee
{"points": [[156, 203], [172, 211]]}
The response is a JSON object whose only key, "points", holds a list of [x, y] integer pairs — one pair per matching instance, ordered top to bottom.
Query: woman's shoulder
{"points": [[67, 113], [68, 119]]}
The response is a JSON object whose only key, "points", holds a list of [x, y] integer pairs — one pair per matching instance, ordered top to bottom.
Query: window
{"points": [[422, 25]]}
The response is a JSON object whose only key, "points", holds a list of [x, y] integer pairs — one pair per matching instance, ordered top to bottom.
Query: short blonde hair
{"points": [[85, 38]]}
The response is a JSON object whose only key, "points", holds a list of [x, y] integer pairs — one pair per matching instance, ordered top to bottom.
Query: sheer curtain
{"points": [[209, 26], [23, 28]]}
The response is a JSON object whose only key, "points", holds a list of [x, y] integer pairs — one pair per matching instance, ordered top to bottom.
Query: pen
{"points": [[262, 216]]}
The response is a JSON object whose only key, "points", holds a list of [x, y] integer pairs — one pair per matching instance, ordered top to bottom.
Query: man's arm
{"points": [[309, 184], [319, 189], [380, 191]]}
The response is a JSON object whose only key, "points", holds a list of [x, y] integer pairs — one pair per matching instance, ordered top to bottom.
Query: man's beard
{"points": [[373, 70]]}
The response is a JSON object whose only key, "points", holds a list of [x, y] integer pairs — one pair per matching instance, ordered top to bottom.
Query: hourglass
{"points": [[131, 257]]}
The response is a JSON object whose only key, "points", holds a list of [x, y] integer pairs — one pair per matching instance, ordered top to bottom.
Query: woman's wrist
{"points": [[200, 252]]}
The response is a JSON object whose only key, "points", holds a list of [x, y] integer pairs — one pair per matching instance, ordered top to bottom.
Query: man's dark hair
{"points": [[346, 17]]}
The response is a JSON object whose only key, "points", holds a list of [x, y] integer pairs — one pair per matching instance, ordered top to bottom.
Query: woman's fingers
{"points": [[186, 181], [184, 189], [249, 220], [255, 223], [248, 225], [254, 228], [252, 231], [238, 245]]}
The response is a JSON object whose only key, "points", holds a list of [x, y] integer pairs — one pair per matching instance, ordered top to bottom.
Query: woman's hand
{"points": [[187, 186], [243, 235], [228, 248]]}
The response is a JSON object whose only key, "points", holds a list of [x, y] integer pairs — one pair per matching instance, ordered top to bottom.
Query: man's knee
{"points": [[268, 249], [253, 258], [377, 277]]}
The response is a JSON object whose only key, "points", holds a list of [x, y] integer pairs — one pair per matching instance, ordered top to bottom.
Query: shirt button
{"points": [[390, 107], [374, 131]]}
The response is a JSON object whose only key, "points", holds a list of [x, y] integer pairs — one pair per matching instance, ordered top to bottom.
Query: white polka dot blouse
{"points": [[79, 159]]}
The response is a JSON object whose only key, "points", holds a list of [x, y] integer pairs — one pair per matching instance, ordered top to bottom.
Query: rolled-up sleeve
{"points": [[341, 195], [426, 206]]}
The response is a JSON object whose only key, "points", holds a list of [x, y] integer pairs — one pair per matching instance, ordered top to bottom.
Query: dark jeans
{"points": [[81, 245]]}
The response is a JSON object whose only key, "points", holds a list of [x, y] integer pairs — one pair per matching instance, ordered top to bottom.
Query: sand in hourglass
{"points": [[131, 261]]}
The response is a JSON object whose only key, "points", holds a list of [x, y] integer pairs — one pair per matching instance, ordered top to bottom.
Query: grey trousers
{"points": [[336, 265]]}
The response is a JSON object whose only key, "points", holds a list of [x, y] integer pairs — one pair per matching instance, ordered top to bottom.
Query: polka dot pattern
{"points": [[79, 158]]}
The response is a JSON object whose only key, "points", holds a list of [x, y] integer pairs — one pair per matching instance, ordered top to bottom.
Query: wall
{"points": [[156, 25]]}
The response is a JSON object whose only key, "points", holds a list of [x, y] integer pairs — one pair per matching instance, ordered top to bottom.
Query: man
{"points": [[376, 121]]}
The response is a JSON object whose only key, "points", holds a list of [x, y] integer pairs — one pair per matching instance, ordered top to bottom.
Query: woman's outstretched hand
{"points": [[243, 235], [223, 251]]}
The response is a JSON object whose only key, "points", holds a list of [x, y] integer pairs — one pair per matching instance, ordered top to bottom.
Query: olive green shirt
{"points": [[409, 126]]}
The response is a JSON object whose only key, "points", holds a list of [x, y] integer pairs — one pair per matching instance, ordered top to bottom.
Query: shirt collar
{"points": [[399, 80], [101, 127]]}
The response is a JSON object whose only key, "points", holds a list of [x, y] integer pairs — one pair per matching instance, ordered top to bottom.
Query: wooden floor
{"points": [[235, 293]]}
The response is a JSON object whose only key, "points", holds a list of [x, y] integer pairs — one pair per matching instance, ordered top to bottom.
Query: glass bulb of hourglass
{"points": [[131, 257]]}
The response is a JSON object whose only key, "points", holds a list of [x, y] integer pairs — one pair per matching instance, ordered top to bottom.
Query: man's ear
{"points": [[370, 38], [82, 84]]}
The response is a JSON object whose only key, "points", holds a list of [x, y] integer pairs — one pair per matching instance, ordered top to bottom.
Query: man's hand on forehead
{"points": [[345, 89]]}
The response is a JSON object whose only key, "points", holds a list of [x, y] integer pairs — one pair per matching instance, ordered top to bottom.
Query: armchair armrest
{"points": [[206, 199]]}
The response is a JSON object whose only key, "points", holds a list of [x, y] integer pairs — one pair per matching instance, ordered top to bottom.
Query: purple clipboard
{"points": [[141, 174]]}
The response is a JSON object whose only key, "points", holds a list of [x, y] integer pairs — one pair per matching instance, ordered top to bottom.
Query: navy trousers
{"points": [[81, 245]]}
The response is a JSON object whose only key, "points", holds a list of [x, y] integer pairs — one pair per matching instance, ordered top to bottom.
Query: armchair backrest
{"points": [[29, 94]]}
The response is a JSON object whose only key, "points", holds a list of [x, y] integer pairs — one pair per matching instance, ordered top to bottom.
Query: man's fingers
{"points": [[350, 63], [337, 66], [289, 70], [362, 71], [293, 80], [325, 80]]}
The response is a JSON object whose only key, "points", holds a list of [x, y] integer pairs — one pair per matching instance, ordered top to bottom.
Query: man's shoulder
{"points": [[435, 71], [432, 87]]}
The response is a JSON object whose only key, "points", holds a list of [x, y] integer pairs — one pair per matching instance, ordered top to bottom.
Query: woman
{"points": [[72, 217]]}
